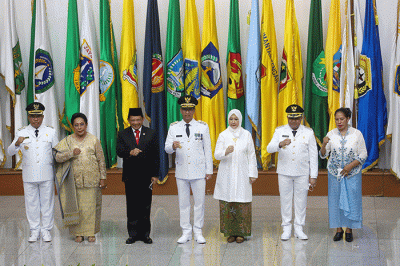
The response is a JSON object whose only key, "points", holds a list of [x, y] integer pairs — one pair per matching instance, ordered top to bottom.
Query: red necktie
{"points": [[137, 136]]}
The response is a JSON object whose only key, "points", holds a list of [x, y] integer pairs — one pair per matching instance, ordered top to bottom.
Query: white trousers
{"points": [[293, 188], [199, 190], [39, 199]]}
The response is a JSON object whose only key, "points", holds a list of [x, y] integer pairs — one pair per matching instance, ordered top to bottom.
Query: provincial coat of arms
{"points": [[44, 71], [18, 73], [175, 73], [130, 74], [157, 74], [87, 76], [285, 76], [235, 77], [364, 77], [106, 78], [192, 78], [211, 81]]}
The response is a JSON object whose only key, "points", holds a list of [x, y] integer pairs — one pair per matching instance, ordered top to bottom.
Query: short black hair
{"points": [[345, 111], [78, 115]]}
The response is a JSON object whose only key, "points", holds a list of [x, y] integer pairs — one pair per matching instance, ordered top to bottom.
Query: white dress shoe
{"points": [[298, 232], [287, 233], [34, 236], [46, 236], [184, 238], [199, 238]]}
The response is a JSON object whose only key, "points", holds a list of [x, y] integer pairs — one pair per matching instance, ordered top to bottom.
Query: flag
{"points": [[351, 49], [191, 54], [333, 58], [128, 62], [72, 68], [11, 71], [174, 71], [90, 73], [253, 73], [41, 80], [269, 80], [153, 84], [108, 86], [290, 86], [235, 91], [315, 93], [212, 103], [372, 114], [393, 130]]}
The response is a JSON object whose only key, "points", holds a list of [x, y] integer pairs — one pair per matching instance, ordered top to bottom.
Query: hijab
{"points": [[237, 131]]}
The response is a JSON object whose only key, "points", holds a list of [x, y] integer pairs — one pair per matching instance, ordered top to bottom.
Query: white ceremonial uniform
{"points": [[193, 161], [296, 163], [37, 173]]}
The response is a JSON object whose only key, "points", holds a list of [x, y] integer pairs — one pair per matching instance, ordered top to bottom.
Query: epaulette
{"points": [[202, 122], [174, 123], [50, 127], [22, 128], [308, 128]]}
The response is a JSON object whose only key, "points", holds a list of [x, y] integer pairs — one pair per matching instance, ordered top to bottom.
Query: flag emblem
{"points": [[337, 60], [87, 71], [44, 72], [18, 73], [130, 74], [157, 74], [175, 74], [285, 75], [106, 78], [191, 78], [364, 78], [211, 81], [397, 81], [235, 82], [319, 85]]}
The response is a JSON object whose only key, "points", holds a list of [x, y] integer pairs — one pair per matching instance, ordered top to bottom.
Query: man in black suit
{"points": [[137, 145]]}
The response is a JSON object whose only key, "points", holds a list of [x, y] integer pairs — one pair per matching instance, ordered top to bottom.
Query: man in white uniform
{"points": [[190, 139], [36, 142], [297, 169]]}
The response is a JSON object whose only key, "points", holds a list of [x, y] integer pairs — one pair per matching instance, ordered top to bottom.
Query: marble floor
{"points": [[377, 243]]}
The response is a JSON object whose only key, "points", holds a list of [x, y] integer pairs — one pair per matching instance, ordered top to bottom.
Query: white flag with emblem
{"points": [[351, 50], [11, 71], [43, 72], [89, 104], [393, 129]]}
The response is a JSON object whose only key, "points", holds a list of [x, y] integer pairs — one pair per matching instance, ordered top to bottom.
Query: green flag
{"points": [[234, 64], [72, 68], [174, 72], [108, 86], [316, 97]]}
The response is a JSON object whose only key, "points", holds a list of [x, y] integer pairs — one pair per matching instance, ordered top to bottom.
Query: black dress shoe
{"points": [[338, 236], [349, 237], [130, 240], [147, 240]]}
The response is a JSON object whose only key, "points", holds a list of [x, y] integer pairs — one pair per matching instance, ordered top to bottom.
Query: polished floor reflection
{"points": [[378, 243]]}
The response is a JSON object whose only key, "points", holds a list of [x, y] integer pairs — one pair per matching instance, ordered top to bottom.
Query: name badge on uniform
{"points": [[179, 136], [198, 136], [285, 136]]}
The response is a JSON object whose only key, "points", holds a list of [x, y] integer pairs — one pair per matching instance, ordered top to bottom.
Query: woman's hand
{"points": [[325, 141], [230, 149], [77, 151], [252, 180], [102, 184]]}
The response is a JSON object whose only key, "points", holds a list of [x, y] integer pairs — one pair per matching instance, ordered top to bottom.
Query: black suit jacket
{"points": [[146, 164]]}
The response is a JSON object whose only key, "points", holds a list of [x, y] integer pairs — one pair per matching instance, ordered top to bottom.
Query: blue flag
{"points": [[153, 84], [372, 114], [252, 120]]}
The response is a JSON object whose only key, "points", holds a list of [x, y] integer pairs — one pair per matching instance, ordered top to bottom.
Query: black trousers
{"points": [[138, 207]]}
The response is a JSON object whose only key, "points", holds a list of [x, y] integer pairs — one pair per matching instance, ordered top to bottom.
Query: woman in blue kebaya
{"points": [[347, 152]]}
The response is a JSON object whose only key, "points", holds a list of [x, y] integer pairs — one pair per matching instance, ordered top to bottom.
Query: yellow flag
{"points": [[191, 54], [333, 54], [128, 62], [269, 80], [290, 87], [212, 97]]}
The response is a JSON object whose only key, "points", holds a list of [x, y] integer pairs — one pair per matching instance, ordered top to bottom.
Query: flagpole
{"points": [[356, 62], [12, 128]]}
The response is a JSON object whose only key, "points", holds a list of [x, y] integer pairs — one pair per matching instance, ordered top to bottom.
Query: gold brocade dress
{"points": [[88, 168]]}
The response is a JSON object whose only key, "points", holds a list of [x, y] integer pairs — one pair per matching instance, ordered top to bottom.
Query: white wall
{"points": [[57, 20]]}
